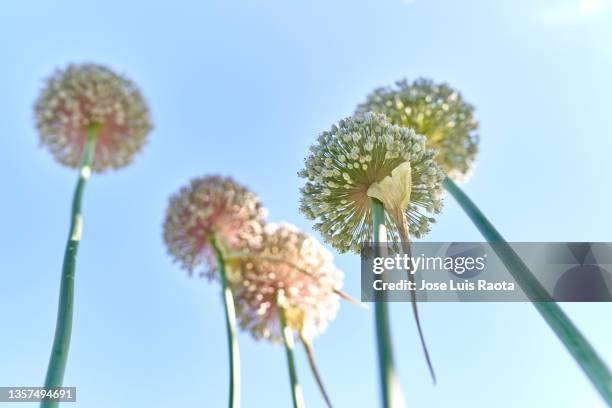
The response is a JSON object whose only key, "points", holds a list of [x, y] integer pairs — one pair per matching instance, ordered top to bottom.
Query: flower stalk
{"points": [[230, 320], [63, 328], [287, 333], [573, 340], [313, 368], [391, 392]]}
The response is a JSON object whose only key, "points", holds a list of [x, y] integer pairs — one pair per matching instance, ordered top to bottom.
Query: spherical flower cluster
{"points": [[85, 95], [436, 111], [353, 158], [211, 207], [297, 271]]}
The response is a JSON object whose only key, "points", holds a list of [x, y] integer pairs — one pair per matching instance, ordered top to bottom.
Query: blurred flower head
{"points": [[84, 95], [436, 111], [366, 156], [211, 207], [294, 269]]}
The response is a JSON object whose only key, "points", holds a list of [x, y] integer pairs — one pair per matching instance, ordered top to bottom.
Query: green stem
{"points": [[230, 320], [63, 327], [577, 345], [296, 390], [392, 396]]}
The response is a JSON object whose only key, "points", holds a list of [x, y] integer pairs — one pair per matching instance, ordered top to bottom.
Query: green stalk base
{"points": [[230, 320], [63, 327], [573, 340], [296, 390], [392, 396]]}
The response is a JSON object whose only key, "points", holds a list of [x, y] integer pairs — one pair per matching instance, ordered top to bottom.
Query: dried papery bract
{"points": [[84, 94], [436, 111], [348, 160], [211, 207], [288, 285]]}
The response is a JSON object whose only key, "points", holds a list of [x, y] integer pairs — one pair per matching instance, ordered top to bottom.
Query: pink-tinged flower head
{"points": [[85, 95], [211, 207], [294, 269]]}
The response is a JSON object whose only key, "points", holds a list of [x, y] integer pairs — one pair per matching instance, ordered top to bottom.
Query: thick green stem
{"points": [[230, 320], [63, 327], [577, 345], [296, 390], [392, 396]]}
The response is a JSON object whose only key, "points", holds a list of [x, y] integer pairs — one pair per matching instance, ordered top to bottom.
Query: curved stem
{"points": [[415, 313], [230, 320], [63, 327], [573, 340], [313, 368], [296, 390], [392, 396]]}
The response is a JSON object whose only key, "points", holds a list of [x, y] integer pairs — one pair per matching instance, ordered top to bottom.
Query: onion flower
{"points": [[83, 95], [437, 111], [90, 118], [365, 157], [368, 180], [211, 209], [205, 220], [289, 284]]}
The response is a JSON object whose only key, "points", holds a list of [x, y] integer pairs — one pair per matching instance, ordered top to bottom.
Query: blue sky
{"points": [[242, 88]]}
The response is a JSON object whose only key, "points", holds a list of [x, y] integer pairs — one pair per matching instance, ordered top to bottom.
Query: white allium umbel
{"points": [[84, 95], [436, 111], [362, 157], [294, 269]]}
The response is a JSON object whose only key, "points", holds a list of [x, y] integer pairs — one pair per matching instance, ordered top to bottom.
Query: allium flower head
{"points": [[88, 94], [436, 111], [366, 156], [211, 207], [298, 270]]}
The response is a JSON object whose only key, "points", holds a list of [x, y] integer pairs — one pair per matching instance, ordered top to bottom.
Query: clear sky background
{"points": [[242, 88]]}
